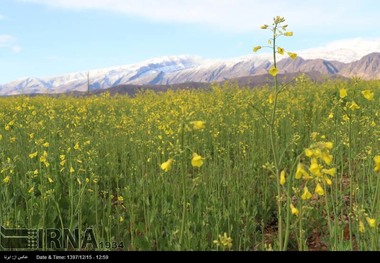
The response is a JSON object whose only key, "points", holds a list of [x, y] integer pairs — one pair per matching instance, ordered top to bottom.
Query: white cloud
{"points": [[237, 15], [6, 40], [9, 42], [16, 49], [347, 50]]}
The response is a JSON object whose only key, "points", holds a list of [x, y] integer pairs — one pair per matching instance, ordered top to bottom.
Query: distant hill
{"points": [[193, 72], [245, 82]]}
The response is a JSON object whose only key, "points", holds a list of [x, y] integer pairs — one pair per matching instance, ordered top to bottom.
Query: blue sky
{"points": [[40, 38]]}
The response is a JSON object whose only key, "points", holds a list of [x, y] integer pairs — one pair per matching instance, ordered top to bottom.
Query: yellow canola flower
{"points": [[264, 26], [288, 34], [257, 48], [280, 50], [292, 55], [273, 71], [343, 93], [369, 95], [271, 99], [354, 106], [345, 117], [198, 125], [314, 135], [328, 145], [76, 146], [309, 153], [313, 153], [317, 153], [33, 155], [327, 158], [43, 159], [197, 160], [377, 163], [166, 166], [315, 168], [331, 171], [301, 172], [307, 177], [282, 178], [7, 179], [50, 180], [328, 180], [31, 190], [319, 190], [306, 194], [294, 210], [371, 222], [361, 227], [224, 241]]}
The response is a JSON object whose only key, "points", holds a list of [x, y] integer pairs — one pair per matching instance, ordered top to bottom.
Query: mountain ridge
{"points": [[188, 69]]}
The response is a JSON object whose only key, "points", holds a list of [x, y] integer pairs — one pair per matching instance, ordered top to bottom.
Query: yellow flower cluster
{"points": [[278, 31], [343, 93], [367, 94], [198, 125], [319, 154], [43, 159], [197, 160], [377, 163], [166, 166], [7, 179], [294, 210], [370, 221], [225, 241]]}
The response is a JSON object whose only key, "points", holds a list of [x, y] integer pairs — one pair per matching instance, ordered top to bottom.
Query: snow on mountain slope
{"points": [[344, 50], [182, 69], [164, 70], [139, 73]]}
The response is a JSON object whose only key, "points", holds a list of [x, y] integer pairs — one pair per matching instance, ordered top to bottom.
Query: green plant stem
{"points": [[272, 131], [183, 172], [351, 179], [375, 200], [288, 202], [328, 215], [300, 244]]}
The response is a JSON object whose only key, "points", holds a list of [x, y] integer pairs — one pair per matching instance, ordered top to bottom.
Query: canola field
{"points": [[194, 169]]}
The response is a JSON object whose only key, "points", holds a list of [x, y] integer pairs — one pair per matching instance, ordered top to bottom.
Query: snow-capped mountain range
{"points": [[183, 69]]}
